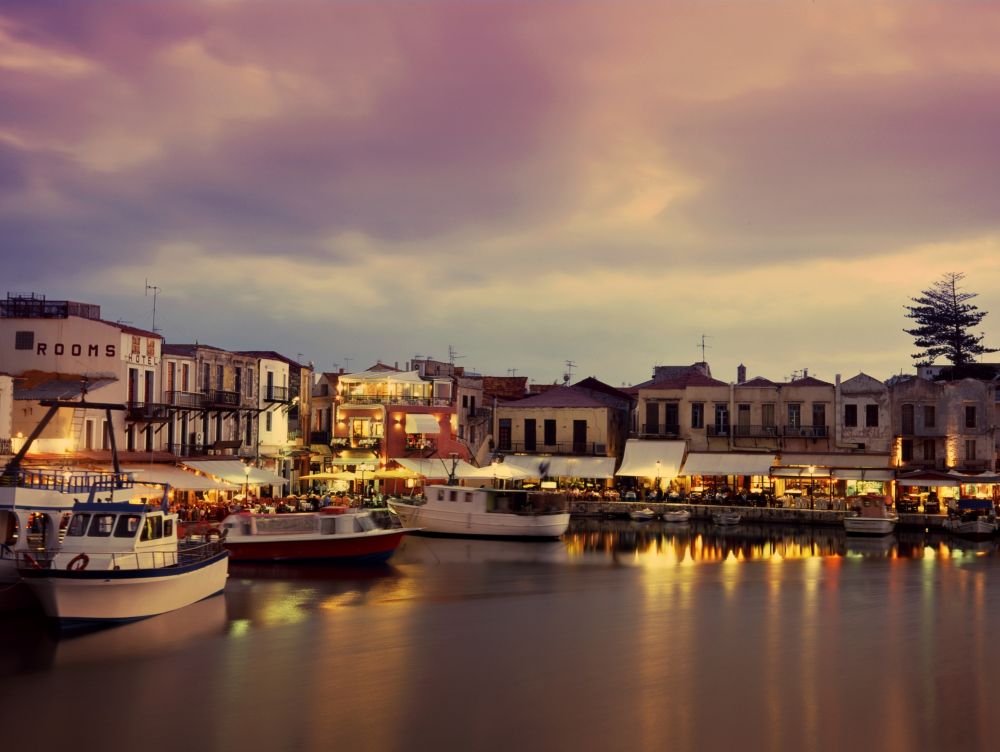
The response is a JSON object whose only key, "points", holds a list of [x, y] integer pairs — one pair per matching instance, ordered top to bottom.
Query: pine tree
{"points": [[944, 319]]}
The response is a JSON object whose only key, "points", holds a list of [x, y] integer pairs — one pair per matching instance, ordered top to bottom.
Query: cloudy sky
{"points": [[529, 182]]}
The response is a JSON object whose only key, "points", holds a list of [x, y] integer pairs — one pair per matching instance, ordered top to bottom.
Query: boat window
{"points": [[440, 495], [453, 496], [468, 497], [365, 522], [78, 525], [101, 526], [127, 526], [168, 528], [153, 529], [11, 531]]}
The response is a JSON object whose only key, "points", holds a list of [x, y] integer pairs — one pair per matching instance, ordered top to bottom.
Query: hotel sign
{"points": [[76, 350]]}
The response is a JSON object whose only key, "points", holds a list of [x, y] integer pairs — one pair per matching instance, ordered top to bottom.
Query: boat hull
{"points": [[677, 516], [726, 518], [481, 524], [869, 525], [973, 529], [374, 546], [82, 598]]}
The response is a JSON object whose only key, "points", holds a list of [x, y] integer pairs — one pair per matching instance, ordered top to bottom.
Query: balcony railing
{"points": [[276, 394], [222, 398], [184, 399], [347, 400], [148, 411], [660, 429], [717, 429], [755, 432], [804, 432], [930, 432], [319, 437], [5, 447], [562, 447], [188, 450], [934, 464], [65, 481]]}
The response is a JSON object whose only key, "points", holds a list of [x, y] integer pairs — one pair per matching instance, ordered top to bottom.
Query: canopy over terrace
{"points": [[422, 423], [652, 459], [728, 463], [563, 467], [434, 468], [498, 470], [234, 471], [177, 477], [928, 479]]}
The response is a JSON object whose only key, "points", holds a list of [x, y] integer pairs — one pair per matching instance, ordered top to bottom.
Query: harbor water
{"points": [[621, 636]]}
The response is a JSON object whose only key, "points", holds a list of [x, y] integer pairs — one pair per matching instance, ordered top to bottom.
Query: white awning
{"points": [[422, 423], [652, 459], [727, 463], [564, 467], [433, 468], [498, 470], [234, 471], [800, 472], [862, 473], [177, 477]]}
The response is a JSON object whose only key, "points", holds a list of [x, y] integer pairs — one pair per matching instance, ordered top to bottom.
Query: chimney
{"points": [[396, 365], [340, 370], [741, 373], [836, 380]]}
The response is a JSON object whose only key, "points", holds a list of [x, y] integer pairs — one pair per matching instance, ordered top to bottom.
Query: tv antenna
{"points": [[156, 291], [704, 346], [453, 355], [347, 364], [570, 365], [512, 372]]}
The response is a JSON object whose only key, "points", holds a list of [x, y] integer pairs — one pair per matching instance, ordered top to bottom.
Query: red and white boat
{"points": [[334, 534]]}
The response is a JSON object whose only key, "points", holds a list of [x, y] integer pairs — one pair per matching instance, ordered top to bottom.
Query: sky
{"points": [[528, 183]]}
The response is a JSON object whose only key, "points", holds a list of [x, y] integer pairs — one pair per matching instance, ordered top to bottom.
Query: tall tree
{"points": [[944, 322]]}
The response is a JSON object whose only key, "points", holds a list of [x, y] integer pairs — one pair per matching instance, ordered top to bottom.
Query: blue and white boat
{"points": [[121, 562]]}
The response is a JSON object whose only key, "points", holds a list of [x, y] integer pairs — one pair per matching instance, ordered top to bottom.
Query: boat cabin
{"points": [[498, 500], [329, 521], [116, 535]]}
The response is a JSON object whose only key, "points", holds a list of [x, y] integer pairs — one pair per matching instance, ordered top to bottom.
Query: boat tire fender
{"points": [[78, 563]]}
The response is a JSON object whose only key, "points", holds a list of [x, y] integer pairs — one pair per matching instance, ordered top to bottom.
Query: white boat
{"points": [[490, 512], [642, 515], [677, 516], [727, 517], [872, 518], [973, 518], [333, 535], [121, 562]]}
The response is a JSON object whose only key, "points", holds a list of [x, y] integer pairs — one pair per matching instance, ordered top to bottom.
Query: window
{"points": [[24, 341], [136, 345], [151, 347], [220, 374], [185, 376], [206, 379], [465, 400], [819, 414], [906, 414], [697, 415], [767, 415], [721, 416], [794, 416], [850, 416], [871, 416], [930, 416], [970, 416], [671, 417], [652, 418], [267, 420], [550, 432], [88, 433], [530, 434], [105, 435], [503, 438], [970, 449], [907, 450], [930, 450], [453, 496], [468, 498], [78, 525], [101, 526], [127, 526], [168, 528], [153, 529]]}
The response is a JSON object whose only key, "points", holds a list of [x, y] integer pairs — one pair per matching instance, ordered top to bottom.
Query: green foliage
{"points": [[944, 320]]}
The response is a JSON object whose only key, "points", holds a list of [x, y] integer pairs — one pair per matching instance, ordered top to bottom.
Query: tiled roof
{"points": [[128, 329], [270, 355], [690, 379], [758, 381], [808, 381], [595, 385], [562, 396]]}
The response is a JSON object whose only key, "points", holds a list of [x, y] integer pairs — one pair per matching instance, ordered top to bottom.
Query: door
{"points": [[652, 419], [503, 435], [530, 435], [579, 436]]}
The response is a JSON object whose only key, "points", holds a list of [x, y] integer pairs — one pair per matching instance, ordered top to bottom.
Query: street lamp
{"points": [[246, 484]]}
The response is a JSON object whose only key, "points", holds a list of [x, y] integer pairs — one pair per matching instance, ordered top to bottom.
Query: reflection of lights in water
{"points": [[239, 627]]}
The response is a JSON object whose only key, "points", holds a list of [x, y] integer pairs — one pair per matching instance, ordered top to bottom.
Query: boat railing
{"points": [[66, 481], [185, 555]]}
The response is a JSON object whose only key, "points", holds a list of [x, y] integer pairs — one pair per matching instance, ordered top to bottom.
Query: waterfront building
{"points": [[6, 414], [864, 415], [474, 418], [587, 421]]}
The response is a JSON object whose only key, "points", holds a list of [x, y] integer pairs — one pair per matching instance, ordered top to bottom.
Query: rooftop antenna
{"points": [[156, 291], [704, 346], [453, 355], [347, 364], [570, 365], [512, 372]]}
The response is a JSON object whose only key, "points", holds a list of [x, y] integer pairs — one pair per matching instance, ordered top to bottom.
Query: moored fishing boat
{"points": [[490, 512], [642, 515], [676, 516], [727, 517], [873, 517], [975, 519], [334, 534], [121, 562]]}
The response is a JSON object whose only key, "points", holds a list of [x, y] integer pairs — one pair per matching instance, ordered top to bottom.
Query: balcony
{"points": [[276, 394], [222, 398], [184, 399], [373, 400], [148, 412], [660, 429], [717, 429], [755, 432], [805, 432], [931, 432], [319, 437], [562, 447], [187, 450], [934, 464]]}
